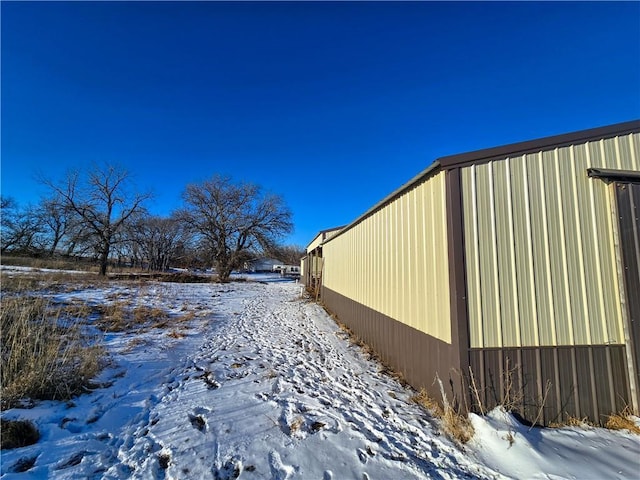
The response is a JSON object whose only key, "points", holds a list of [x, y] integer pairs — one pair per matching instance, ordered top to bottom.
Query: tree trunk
{"points": [[104, 260]]}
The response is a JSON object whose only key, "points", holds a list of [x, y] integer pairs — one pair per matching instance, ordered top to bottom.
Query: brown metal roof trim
{"points": [[531, 146], [611, 175]]}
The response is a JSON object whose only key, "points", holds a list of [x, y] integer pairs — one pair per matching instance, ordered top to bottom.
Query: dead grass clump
{"points": [[154, 315], [113, 317], [122, 317], [187, 317], [175, 334], [44, 355], [423, 399], [572, 421], [623, 421], [455, 424], [296, 425], [18, 433]]}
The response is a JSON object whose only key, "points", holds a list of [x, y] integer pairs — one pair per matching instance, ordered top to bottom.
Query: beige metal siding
{"points": [[315, 243], [540, 255], [395, 260]]}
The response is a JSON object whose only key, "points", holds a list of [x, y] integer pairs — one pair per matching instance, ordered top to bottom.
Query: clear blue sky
{"points": [[331, 105]]}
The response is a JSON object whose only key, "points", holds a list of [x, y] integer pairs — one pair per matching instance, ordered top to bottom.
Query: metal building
{"points": [[311, 263], [519, 263]]}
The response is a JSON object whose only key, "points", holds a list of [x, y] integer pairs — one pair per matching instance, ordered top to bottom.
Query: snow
{"points": [[262, 384]]}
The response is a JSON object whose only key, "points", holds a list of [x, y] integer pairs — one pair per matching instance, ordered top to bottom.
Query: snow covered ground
{"points": [[262, 384]]}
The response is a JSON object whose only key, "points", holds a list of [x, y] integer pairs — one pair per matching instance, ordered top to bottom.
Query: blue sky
{"points": [[333, 105]]}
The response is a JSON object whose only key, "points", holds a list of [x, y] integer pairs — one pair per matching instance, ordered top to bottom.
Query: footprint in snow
{"points": [[198, 422], [229, 471], [279, 471]]}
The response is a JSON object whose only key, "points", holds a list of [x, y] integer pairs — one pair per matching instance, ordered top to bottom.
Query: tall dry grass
{"points": [[43, 354]]}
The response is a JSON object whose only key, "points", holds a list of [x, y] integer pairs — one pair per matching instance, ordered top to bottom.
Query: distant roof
{"points": [[321, 236]]}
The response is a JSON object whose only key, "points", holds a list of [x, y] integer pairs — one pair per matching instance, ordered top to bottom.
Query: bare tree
{"points": [[103, 202], [231, 219], [57, 222], [20, 227], [157, 241], [288, 254]]}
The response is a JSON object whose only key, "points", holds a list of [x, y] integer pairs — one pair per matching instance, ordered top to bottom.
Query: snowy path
{"points": [[276, 393]]}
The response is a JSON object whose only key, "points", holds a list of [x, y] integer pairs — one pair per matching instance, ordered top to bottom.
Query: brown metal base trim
{"points": [[414, 354], [551, 384]]}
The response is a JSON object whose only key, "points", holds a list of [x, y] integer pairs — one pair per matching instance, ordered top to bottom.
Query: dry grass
{"points": [[49, 263], [37, 281], [123, 317], [45, 355], [423, 399], [623, 421], [296, 425], [456, 425], [18, 433]]}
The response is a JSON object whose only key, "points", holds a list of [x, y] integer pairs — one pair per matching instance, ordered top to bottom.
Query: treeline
{"points": [[101, 216]]}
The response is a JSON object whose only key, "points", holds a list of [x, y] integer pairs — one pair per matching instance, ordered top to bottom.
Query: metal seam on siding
{"points": [[616, 145], [617, 154], [578, 227], [402, 228], [545, 240], [434, 243], [597, 249], [563, 251], [424, 263], [496, 271], [514, 275], [532, 279], [420, 306], [445, 309], [479, 320]]}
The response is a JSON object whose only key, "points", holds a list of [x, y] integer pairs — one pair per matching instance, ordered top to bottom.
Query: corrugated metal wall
{"points": [[540, 253], [395, 260]]}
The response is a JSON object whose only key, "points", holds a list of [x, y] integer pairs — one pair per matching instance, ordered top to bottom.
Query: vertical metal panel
{"points": [[470, 208], [539, 248], [524, 260], [558, 278], [408, 279], [577, 308], [584, 371], [602, 380], [572, 381], [568, 383], [620, 383], [550, 385]]}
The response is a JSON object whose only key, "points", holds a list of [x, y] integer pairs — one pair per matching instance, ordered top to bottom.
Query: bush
{"points": [[43, 354]]}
